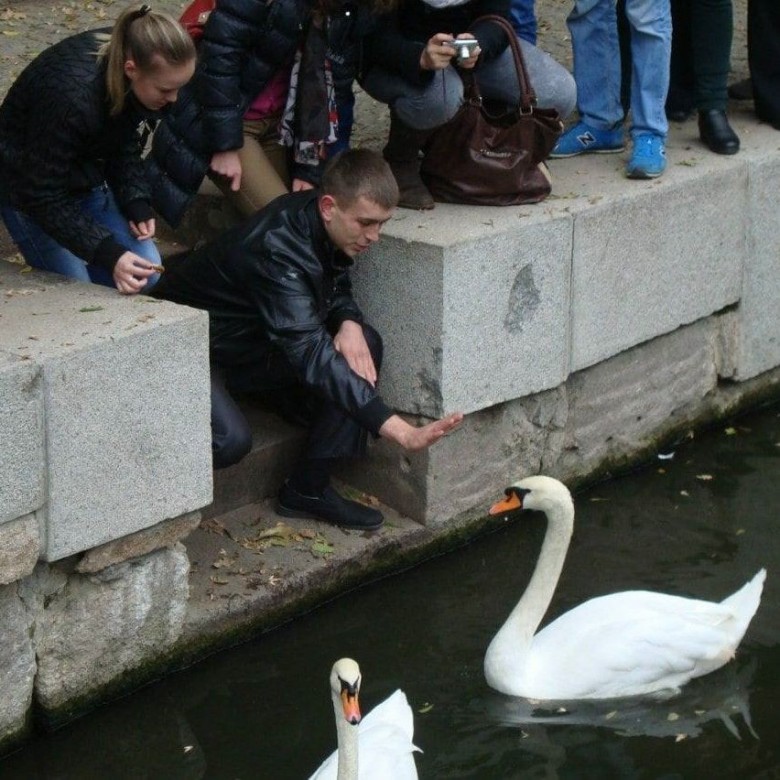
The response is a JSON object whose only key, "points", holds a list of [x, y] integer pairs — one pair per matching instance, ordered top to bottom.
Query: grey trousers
{"points": [[423, 108]]}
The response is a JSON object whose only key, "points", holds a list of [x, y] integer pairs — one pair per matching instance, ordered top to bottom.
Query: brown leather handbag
{"points": [[493, 159]]}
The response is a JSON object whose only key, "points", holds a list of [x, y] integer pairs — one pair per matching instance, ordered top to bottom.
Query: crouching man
{"points": [[282, 320]]}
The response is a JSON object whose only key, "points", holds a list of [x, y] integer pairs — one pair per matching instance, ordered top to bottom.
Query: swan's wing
{"points": [[631, 643], [395, 711], [385, 742], [385, 748], [328, 769]]}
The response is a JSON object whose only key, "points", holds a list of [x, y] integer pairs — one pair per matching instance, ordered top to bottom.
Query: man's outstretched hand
{"points": [[413, 438]]}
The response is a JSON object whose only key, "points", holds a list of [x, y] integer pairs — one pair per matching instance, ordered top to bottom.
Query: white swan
{"points": [[624, 644], [378, 747]]}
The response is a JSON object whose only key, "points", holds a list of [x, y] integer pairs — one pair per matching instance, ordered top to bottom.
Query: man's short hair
{"points": [[360, 172]]}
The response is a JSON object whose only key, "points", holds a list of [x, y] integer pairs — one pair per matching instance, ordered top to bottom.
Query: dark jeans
{"points": [[701, 48], [764, 58], [332, 432]]}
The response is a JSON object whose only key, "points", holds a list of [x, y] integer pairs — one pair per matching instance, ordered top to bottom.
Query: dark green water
{"points": [[262, 711]]}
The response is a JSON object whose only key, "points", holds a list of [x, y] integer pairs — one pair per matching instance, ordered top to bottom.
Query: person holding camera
{"points": [[415, 58]]}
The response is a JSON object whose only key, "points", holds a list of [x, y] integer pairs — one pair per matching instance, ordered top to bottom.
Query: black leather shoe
{"points": [[716, 133], [328, 506]]}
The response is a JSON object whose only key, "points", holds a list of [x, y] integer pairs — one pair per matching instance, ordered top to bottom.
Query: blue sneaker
{"points": [[583, 139], [648, 158]]}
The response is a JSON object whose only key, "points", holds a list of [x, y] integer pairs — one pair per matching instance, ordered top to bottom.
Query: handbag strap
{"points": [[527, 94]]}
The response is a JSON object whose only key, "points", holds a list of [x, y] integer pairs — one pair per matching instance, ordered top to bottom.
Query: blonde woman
{"points": [[72, 189]]}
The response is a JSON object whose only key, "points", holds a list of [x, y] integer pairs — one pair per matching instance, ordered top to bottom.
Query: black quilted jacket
{"points": [[399, 39], [245, 42], [57, 140], [278, 282]]}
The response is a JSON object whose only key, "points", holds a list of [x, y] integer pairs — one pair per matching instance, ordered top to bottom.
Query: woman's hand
{"points": [[438, 52], [471, 61], [228, 164], [299, 185], [143, 230], [131, 273], [351, 343]]}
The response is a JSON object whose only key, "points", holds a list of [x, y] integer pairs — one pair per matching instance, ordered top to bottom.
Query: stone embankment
{"points": [[578, 335]]}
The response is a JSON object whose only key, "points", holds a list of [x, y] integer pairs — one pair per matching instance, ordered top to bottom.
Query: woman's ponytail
{"points": [[140, 34]]}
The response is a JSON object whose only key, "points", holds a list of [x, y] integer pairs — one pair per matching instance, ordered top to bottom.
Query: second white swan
{"points": [[623, 644], [376, 747]]}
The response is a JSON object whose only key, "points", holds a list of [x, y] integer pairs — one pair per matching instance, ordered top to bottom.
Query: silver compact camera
{"points": [[464, 47]]}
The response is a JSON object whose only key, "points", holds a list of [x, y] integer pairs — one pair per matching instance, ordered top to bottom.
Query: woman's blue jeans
{"points": [[594, 37], [424, 108], [40, 250]]}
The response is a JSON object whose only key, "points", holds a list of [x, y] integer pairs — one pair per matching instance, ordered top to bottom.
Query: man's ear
{"points": [[327, 203]]}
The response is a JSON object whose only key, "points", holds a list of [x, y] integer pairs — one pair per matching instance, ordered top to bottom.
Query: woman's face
{"points": [[159, 84]]}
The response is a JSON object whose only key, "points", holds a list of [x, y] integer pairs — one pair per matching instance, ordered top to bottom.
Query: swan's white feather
{"points": [[623, 644], [385, 744]]}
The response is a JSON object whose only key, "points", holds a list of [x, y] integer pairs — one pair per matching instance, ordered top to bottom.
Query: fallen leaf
{"points": [[91, 308], [730, 431], [704, 477], [215, 527], [279, 530], [322, 547], [219, 580], [425, 708], [610, 715], [672, 716], [680, 737]]}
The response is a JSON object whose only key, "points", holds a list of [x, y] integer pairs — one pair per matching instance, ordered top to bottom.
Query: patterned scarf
{"points": [[310, 119]]}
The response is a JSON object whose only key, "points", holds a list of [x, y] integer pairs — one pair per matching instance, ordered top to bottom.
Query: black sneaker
{"points": [[328, 506]]}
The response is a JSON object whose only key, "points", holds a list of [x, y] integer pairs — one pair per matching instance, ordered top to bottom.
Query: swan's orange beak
{"points": [[510, 503], [349, 701]]}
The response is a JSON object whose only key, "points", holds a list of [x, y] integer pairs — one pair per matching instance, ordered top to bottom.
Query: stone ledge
{"points": [[124, 398]]}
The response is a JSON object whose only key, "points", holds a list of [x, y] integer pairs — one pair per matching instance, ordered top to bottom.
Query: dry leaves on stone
{"points": [[282, 535]]}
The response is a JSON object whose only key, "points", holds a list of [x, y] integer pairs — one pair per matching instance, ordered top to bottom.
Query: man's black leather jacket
{"points": [[277, 282]]}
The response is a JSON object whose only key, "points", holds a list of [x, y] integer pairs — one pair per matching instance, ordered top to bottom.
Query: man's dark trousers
{"points": [[332, 432]]}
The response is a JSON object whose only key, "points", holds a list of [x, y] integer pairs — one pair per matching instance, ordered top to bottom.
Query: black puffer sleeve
{"points": [[244, 43], [73, 117]]}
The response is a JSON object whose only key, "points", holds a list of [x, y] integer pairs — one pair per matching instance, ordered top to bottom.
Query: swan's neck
{"points": [[508, 650], [347, 735]]}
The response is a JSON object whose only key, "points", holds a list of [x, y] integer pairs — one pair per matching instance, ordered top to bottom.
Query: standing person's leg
{"points": [[523, 18], [712, 27], [594, 38], [651, 47], [764, 58], [553, 84], [680, 100], [414, 112], [264, 170]]}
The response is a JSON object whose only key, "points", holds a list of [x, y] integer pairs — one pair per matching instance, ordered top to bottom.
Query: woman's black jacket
{"points": [[400, 37], [245, 42], [58, 141], [277, 282]]}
